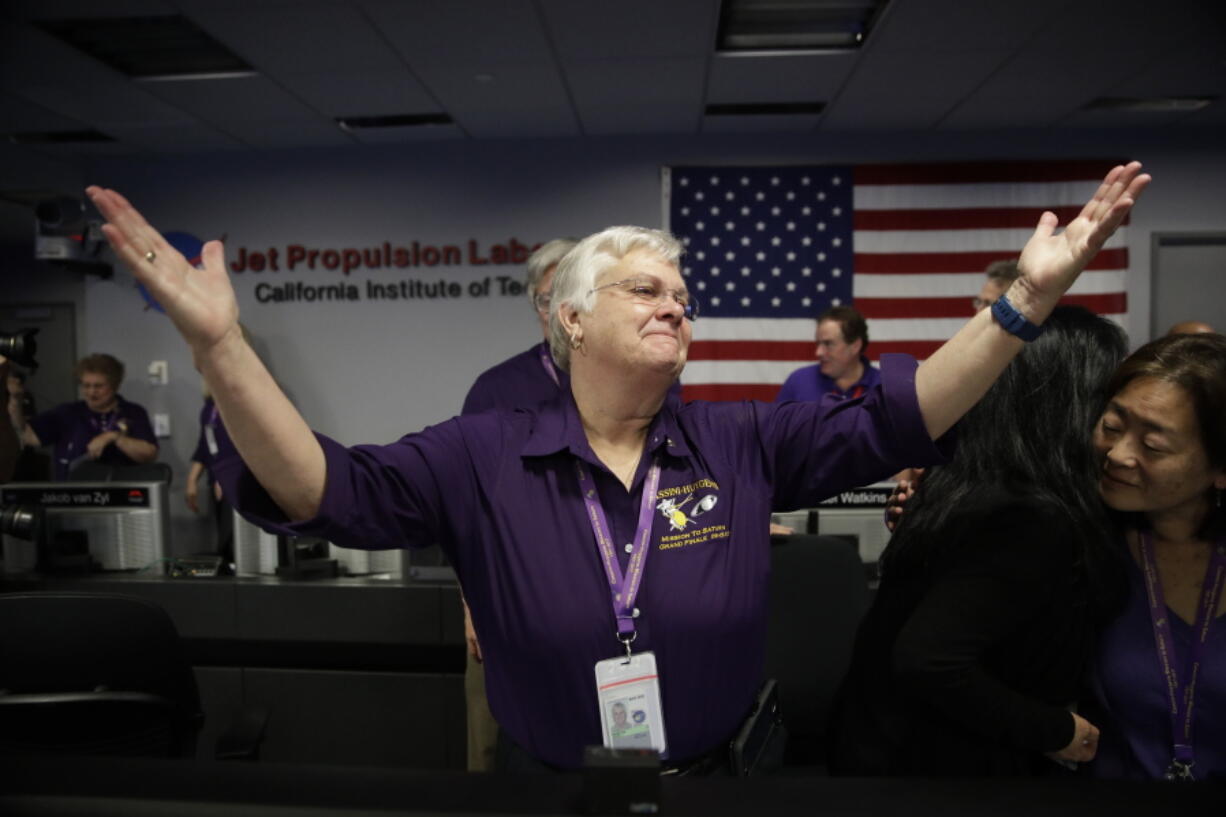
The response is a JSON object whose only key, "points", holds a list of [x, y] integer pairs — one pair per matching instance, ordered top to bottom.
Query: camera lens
{"points": [[20, 347], [19, 520]]}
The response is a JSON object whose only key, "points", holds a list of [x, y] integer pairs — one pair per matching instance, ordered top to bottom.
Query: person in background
{"points": [[1001, 275], [1191, 328], [842, 370], [532, 376], [524, 380], [102, 426], [212, 444], [10, 445], [513, 496], [994, 585], [1160, 681]]}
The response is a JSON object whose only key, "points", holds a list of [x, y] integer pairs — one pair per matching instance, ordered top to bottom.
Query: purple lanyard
{"points": [[547, 362], [212, 421], [624, 588], [1181, 686]]}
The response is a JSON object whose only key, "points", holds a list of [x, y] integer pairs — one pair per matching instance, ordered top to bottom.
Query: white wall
{"points": [[370, 371]]}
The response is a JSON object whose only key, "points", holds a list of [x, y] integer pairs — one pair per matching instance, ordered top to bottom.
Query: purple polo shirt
{"points": [[519, 381], [809, 383], [211, 418], [70, 426], [498, 491], [1131, 689]]}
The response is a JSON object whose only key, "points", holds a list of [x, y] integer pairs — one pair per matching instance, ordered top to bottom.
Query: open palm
{"points": [[1051, 261], [200, 301]]}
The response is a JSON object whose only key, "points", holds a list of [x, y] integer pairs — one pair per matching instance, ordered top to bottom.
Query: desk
{"points": [[352, 670], [139, 787]]}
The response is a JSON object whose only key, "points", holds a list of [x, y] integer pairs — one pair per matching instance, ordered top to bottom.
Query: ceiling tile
{"points": [[597, 31], [785, 78], [643, 96], [512, 101]]}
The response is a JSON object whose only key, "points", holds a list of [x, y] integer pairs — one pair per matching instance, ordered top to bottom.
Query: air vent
{"points": [[151, 48], [1170, 104], [767, 109], [404, 120], [63, 137]]}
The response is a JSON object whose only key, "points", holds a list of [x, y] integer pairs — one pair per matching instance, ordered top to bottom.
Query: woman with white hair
{"points": [[610, 522]]}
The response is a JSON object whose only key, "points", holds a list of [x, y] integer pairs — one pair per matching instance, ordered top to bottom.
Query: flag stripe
{"points": [[976, 173], [966, 219], [1002, 243], [905, 263], [967, 284], [949, 307], [729, 391]]}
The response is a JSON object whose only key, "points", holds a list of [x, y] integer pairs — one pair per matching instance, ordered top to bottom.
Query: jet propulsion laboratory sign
{"points": [[273, 271]]}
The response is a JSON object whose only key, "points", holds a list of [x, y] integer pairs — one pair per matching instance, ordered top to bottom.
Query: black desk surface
{"points": [[320, 623], [139, 787]]}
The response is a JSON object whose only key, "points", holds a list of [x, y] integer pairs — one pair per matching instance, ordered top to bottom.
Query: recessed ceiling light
{"points": [[795, 25], [1168, 104], [766, 109], [406, 120], [59, 137]]}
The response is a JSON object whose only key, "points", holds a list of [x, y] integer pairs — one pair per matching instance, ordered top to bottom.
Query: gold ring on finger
{"points": [[150, 256]]}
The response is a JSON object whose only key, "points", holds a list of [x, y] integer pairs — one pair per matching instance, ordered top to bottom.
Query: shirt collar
{"points": [[863, 381], [557, 427]]}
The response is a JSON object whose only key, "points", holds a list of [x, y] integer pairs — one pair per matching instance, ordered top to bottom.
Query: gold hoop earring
{"points": [[576, 341]]}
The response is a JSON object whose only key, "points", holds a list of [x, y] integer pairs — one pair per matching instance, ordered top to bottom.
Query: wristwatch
{"points": [[1014, 322]]}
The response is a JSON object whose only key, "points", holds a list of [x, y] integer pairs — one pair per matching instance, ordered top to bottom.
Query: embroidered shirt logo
{"points": [[674, 512]]}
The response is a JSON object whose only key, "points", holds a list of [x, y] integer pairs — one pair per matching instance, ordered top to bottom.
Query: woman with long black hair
{"points": [[995, 583]]}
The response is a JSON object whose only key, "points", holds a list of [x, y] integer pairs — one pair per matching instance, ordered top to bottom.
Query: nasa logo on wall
{"points": [[191, 247]]}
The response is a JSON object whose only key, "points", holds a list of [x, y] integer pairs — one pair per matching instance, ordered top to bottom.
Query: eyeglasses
{"points": [[647, 291], [541, 301]]}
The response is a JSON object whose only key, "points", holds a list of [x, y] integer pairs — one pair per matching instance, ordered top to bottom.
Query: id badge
{"points": [[210, 439], [628, 691]]}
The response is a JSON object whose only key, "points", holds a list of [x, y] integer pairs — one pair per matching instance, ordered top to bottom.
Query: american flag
{"points": [[770, 248]]}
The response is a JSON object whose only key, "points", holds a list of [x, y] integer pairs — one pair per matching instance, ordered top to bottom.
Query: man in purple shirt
{"points": [[842, 369], [530, 377], [524, 380], [102, 426], [534, 506]]}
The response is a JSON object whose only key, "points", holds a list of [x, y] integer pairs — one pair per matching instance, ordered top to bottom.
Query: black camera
{"points": [[20, 347], [21, 521]]}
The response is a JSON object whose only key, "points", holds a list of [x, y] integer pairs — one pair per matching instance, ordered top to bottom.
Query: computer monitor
{"points": [[858, 513], [256, 554]]}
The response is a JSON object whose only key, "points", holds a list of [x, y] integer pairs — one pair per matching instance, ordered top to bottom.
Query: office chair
{"points": [[818, 594], [93, 674]]}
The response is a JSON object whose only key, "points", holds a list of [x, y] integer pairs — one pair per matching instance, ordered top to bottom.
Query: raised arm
{"points": [[962, 370], [269, 433]]}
